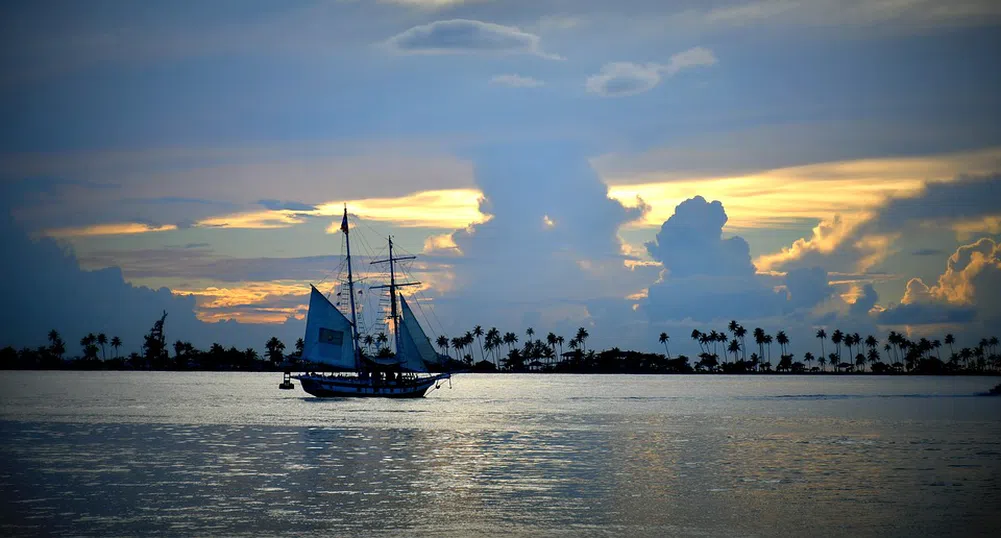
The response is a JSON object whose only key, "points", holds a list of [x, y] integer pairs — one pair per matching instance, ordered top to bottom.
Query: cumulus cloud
{"points": [[466, 36], [619, 79], [516, 81], [690, 242], [550, 245], [843, 245], [705, 276], [808, 286], [969, 287], [47, 289]]}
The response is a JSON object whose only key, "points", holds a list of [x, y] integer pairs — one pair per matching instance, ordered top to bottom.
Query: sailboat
{"points": [[332, 340]]}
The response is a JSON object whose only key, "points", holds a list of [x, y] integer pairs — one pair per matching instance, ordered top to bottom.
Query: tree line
{"points": [[720, 351]]}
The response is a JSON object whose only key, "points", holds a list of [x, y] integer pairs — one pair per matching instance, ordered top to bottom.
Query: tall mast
{"points": [[393, 285], [351, 288], [392, 296]]}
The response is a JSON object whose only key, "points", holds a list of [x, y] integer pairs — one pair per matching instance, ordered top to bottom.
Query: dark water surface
{"points": [[205, 454]]}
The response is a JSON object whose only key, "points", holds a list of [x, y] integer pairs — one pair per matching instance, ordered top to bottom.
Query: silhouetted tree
{"points": [[478, 333], [822, 335], [582, 336], [664, 338], [102, 340], [116, 343], [276, 350]]}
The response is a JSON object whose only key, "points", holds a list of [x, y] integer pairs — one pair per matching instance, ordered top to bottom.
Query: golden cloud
{"points": [[772, 198], [124, 228]]}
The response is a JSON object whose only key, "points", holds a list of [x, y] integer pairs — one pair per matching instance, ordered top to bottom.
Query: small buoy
{"points": [[286, 383]]}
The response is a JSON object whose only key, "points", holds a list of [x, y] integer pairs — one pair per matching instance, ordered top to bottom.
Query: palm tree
{"points": [[732, 327], [529, 332], [740, 332], [478, 333], [822, 335], [582, 336], [697, 336], [712, 338], [759, 338], [836, 338], [102, 339], [381, 339], [510, 339], [664, 339], [950, 339], [368, 340], [551, 340], [560, 340], [782, 340], [442, 342], [493, 342], [768, 342], [116, 343], [467, 343], [56, 345], [491, 345], [457, 346], [734, 348], [89, 349], [276, 349], [873, 356], [808, 358], [822, 361]]}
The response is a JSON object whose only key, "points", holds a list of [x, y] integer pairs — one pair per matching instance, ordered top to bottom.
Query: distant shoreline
{"points": [[988, 374]]}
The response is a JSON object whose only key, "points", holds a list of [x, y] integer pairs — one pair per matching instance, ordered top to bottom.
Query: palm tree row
{"points": [[535, 353]]}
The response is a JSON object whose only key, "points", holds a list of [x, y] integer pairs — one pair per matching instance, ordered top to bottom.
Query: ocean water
{"points": [[228, 454]]}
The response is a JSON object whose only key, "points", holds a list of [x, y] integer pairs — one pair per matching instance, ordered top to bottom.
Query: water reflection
{"points": [[503, 458]]}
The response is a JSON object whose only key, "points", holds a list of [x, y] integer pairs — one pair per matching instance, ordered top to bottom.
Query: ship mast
{"points": [[393, 285], [351, 290]]}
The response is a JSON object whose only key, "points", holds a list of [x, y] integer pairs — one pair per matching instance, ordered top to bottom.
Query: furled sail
{"points": [[328, 334], [416, 352]]}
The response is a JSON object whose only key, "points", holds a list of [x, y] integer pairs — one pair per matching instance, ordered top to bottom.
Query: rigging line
{"points": [[422, 298]]}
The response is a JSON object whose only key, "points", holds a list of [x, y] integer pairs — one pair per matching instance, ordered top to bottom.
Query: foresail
{"points": [[328, 334], [416, 352]]}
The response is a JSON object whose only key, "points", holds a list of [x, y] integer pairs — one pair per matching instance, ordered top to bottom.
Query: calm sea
{"points": [[206, 454]]}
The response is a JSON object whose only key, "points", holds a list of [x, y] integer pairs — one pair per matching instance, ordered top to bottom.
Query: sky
{"points": [[631, 167]]}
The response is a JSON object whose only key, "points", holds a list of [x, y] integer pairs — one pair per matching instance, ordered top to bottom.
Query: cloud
{"points": [[431, 4], [466, 36], [619, 79], [516, 81], [777, 196], [278, 205], [123, 228], [690, 242], [838, 244], [550, 245], [707, 277], [808, 286], [968, 288], [865, 301], [76, 302]]}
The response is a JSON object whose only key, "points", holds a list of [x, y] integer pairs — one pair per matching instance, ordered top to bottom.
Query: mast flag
{"points": [[344, 221]]}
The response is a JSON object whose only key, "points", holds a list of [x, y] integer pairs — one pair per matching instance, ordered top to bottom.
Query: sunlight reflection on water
{"points": [[207, 454]]}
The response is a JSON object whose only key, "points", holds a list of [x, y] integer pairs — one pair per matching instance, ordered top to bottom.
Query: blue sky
{"points": [[191, 146]]}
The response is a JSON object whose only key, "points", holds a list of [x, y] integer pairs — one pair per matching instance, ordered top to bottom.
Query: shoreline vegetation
{"points": [[490, 351]]}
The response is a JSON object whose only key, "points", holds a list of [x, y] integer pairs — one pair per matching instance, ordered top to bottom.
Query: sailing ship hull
{"points": [[355, 387]]}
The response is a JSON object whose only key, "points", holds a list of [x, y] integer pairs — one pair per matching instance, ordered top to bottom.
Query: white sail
{"points": [[328, 334], [416, 352]]}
